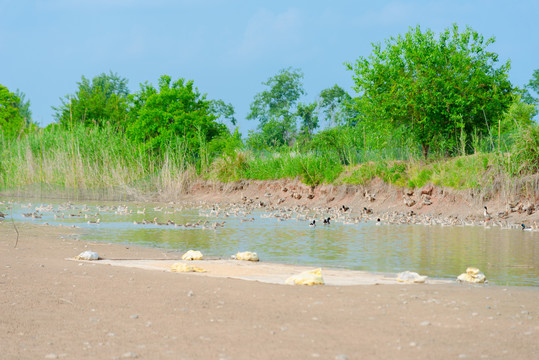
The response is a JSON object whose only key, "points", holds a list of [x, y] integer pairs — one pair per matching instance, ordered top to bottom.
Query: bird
{"points": [[345, 208], [367, 211], [486, 213], [326, 221], [378, 221], [94, 222], [158, 223], [313, 224], [524, 228]]}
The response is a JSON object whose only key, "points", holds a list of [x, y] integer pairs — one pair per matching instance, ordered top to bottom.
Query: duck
{"points": [[486, 213], [326, 221], [378, 221], [94, 222], [158, 223], [313, 223], [525, 228]]}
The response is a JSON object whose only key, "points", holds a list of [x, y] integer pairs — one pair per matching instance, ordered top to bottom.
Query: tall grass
{"points": [[99, 158], [88, 159]]}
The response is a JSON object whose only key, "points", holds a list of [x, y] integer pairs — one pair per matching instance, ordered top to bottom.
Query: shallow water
{"points": [[507, 257]]}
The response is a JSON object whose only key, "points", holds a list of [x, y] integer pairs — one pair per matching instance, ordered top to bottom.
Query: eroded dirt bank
{"points": [[429, 200], [54, 308]]}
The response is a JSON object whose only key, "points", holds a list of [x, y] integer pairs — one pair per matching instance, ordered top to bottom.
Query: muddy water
{"points": [[507, 257]]}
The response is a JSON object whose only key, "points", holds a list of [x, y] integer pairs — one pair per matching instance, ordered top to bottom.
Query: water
{"points": [[507, 257]]}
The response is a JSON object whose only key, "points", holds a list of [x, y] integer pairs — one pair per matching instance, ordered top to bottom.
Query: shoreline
{"points": [[438, 204], [60, 309]]}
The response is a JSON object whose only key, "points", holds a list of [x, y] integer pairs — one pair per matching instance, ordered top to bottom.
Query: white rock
{"points": [[87, 255], [192, 255], [246, 255], [411, 277]]}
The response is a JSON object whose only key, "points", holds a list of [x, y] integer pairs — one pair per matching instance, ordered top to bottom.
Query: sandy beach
{"points": [[56, 308]]}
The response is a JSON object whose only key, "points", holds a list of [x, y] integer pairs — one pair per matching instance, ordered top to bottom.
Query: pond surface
{"points": [[507, 257]]}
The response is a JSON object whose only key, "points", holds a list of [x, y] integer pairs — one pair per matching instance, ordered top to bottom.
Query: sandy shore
{"points": [[57, 308]]}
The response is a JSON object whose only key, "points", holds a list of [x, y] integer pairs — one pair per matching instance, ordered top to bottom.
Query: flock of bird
{"points": [[244, 211]]}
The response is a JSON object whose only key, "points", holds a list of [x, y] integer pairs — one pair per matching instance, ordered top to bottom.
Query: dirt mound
{"points": [[435, 201]]}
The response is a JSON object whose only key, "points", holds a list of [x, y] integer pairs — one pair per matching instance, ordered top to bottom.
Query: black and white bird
{"points": [[486, 213], [326, 221], [313, 223]]}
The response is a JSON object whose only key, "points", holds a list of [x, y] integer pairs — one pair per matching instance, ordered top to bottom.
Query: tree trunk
{"points": [[425, 150]]}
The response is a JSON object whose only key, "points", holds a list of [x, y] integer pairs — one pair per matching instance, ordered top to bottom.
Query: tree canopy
{"points": [[435, 87], [532, 87], [96, 102], [336, 106], [24, 108], [275, 108], [176, 109], [11, 120]]}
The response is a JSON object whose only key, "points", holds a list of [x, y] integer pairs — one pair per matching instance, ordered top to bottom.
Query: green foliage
{"points": [[432, 87], [531, 89], [101, 101], [336, 106], [24, 108], [275, 108], [176, 111], [222, 111], [518, 115], [309, 119], [11, 121], [342, 140], [525, 151], [89, 158], [230, 166], [312, 168], [319, 168], [390, 172]]}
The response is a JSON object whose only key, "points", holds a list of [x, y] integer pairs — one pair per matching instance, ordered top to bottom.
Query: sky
{"points": [[229, 48]]}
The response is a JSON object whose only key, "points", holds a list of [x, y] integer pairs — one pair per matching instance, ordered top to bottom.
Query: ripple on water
{"points": [[507, 257]]}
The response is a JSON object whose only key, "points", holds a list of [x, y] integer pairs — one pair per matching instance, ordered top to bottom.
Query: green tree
{"points": [[532, 86], [435, 88], [102, 100], [336, 106], [24, 108], [275, 108], [174, 111], [223, 111], [518, 115], [308, 117], [11, 121]]}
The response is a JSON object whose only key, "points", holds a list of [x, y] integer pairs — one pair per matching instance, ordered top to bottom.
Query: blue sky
{"points": [[230, 47]]}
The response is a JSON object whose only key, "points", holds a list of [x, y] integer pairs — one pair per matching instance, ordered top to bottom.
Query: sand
{"points": [[53, 307]]}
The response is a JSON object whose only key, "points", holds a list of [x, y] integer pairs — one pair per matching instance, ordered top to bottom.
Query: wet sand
{"points": [[58, 308]]}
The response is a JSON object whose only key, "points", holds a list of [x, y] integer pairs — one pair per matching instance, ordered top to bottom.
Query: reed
{"points": [[90, 158], [97, 158]]}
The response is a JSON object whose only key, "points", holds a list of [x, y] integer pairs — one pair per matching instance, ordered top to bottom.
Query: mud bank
{"points": [[381, 198]]}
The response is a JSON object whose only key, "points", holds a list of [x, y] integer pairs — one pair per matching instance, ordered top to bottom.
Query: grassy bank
{"points": [[101, 158]]}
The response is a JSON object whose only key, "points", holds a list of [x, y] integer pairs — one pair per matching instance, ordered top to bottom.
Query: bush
{"points": [[525, 151]]}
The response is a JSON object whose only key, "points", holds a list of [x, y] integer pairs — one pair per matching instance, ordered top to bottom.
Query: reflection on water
{"points": [[506, 256]]}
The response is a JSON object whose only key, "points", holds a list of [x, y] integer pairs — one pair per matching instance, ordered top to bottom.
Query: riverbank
{"points": [[380, 199], [56, 308]]}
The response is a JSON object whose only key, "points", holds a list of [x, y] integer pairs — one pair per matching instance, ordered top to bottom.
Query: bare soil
{"points": [[377, 196], [55, 308]]}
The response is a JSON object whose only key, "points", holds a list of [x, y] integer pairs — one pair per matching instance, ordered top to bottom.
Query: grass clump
{"points": [[312, 168]]}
